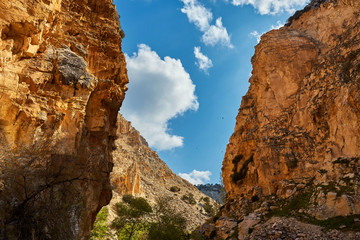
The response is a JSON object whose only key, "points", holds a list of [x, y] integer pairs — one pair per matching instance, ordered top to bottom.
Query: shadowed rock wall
{"points": [[62, 81]]}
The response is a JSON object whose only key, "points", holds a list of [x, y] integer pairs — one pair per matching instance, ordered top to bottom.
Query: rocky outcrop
{"points": [[62, 80], [301, 113], [296, 143], [139, 171], [215, 191]]}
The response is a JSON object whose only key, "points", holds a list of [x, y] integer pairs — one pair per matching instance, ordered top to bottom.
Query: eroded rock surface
{"points": [[62, 80], [301, 113], [296, 144]]}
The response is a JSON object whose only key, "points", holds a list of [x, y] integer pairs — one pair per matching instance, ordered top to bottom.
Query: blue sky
{"points": [[189, 62]]}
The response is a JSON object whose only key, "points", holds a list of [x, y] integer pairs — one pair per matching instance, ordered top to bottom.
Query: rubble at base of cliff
{"points": [[310, 209], [290, 228]]}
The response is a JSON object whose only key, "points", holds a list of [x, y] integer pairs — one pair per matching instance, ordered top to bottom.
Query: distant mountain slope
{"points": [[139, 171], [215, 191]]}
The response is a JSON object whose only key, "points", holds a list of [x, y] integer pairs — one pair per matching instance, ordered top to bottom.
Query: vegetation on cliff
{"points": [[136, 219]]}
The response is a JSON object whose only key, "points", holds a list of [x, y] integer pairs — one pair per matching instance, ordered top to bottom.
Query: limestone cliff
{"points": [[62, 80], [297, 135], [139, 171]]}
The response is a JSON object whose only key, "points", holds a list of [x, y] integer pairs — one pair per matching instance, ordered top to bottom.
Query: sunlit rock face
{"points": [[62, 80], [299, 122], [139, 171]]}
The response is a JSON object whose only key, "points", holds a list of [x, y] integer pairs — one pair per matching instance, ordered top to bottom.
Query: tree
{"points": [[130, 216], [169, 223]]}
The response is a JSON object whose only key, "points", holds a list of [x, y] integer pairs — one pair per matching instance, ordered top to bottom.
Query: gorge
{"points": [[291, 168]]}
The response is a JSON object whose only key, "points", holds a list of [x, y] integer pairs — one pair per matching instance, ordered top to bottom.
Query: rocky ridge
{"points": [[62, 80], [295, 148], [139, 171], [215, 191]]}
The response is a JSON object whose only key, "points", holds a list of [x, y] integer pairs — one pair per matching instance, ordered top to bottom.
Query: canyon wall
{"points": [[62, 81], [302, 110], [297, 135]]}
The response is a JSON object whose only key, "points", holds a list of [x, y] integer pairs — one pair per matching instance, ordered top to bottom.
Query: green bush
{"points": [[175, 189], [127, 198], [189, 198], [209, 208], [130, 217], [137, 220], [169, 224], [100, 227], [196, 235]]}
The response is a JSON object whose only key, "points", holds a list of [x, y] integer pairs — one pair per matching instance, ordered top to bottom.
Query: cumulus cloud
{"points": [[272, 6], [202, 18], [217, 34], [258, 35], [202, 61], [160, 90], [196, 177]]}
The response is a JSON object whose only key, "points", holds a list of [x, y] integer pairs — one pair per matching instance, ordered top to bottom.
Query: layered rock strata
{"points": [[62, 80], [296, 143], [139, 171]]}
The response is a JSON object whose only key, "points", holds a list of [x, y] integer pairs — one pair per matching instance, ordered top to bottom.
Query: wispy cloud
{"points": [[271, 6], [197, 14], [202, 18], [258, 35], [202, 61], [160, 90], [196, 177]]}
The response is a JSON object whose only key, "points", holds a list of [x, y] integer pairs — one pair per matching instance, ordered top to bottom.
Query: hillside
{"points": [[139, 171]]}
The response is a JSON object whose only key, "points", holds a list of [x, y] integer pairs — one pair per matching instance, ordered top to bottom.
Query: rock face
{"points": [[62, 81], [301, 113], [297, 132], [139, 171], [215, 191]]}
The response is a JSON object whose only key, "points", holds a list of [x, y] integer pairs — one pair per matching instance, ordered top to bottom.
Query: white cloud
{"points": [[272, 6], [197, 14], [202, 18], [278, 25], [217, 34], [258, 35], [202, 61], [159, 90], [196, 177]]}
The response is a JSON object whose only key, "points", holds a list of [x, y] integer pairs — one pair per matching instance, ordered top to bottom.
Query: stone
{"points": [[62, 81], [299, 120], [298, 123]]}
